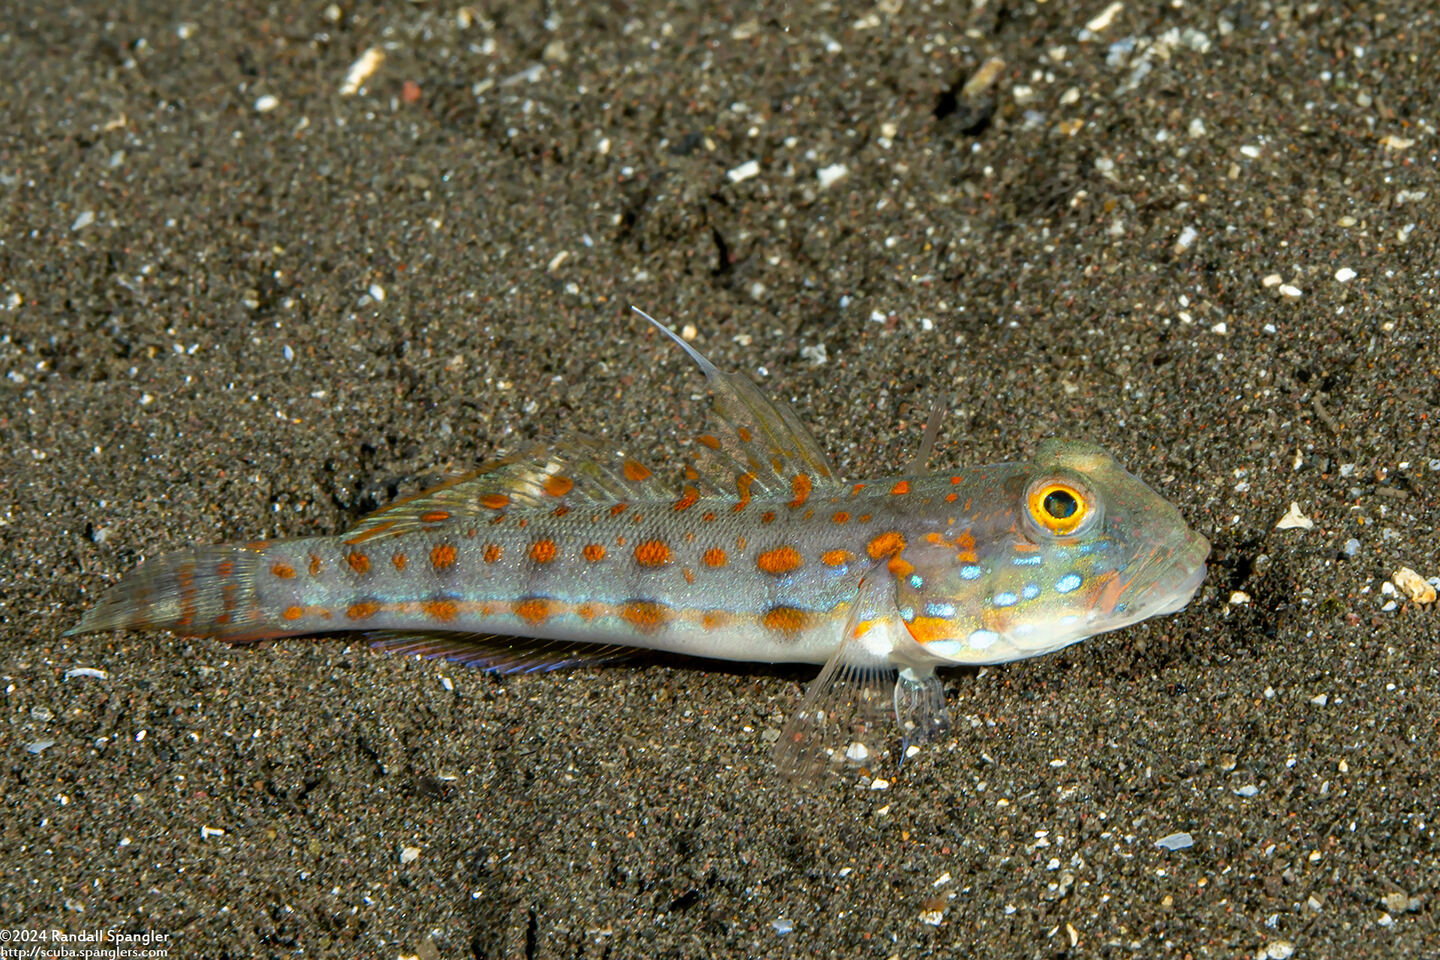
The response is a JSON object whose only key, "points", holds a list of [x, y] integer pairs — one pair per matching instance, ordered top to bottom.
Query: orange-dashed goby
{"points": [[575, 552]]}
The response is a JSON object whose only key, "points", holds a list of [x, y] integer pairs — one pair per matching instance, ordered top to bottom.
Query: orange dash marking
{"points": [[745, 434], [709, 441], [635, 471], [558, 486], [742, 486], [801, 486], [902, 487], [951, 497], [688, 498], [495, 501], [618, 509], [560, 511], [435, 516], [768, 516], [840, 517], [886, 544], [542, 551], [492, 552], [594, 552], [652, 553], [442, 557], [715, 557], [836, 558], [358, 561], [399, 561], [780, 561], [315, 564], [900, 567], [225, 568], [282, 570], [689, 575], [363, 610], [442, 610], [533, 611], [293, 613], [645, 614], [712, 619], [784, 619]]}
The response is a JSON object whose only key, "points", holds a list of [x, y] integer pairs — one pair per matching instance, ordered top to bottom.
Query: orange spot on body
{"points": [[745, 434], [709, 441], [635, 471], [558, 486], [801, 486], [902, 487], [951, 497], [494, 501], [618, 509], [560, 511], [435, 516], [768, 516], [709, 517], [840, 517], [934, 538], [886, 544], [542, 551], [493, 552], [594, 552], [652, 553], [442, 556], [715, 557], [836, 558], [358, 561], [399, 561], [780, 561], [316, 565], [225, 569], [282, 570], [689, 575], [363, 610], [442, 610], [533, 611], [586, 611], [293, 613], [645, 614], [784, 619]]}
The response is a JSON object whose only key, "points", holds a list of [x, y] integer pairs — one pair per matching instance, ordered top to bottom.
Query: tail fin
{"points": [[199, 591]]}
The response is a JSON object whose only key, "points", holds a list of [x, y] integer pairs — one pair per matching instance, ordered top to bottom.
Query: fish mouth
{"points": [[1180, 575]]}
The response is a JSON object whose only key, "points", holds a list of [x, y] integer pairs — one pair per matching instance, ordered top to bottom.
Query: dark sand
{"points": [[1133, 244]]}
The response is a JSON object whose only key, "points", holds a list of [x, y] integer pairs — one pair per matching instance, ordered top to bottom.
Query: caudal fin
{"points": [[199, 591]]}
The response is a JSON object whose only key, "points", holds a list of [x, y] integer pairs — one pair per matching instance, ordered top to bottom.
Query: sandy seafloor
{"points": [[227, 316]]}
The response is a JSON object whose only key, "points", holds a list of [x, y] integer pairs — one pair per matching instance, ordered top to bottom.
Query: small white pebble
{"points": [[1104, 18], [361, 70], [266, 103], [1250, 150], [746, 170], [831, 174], [84, 220], [1344, 274], [1272, 280], [1290, 290], [377, 293], [1221, 328], [1238, 597], [1320, 699], [857, 752], [879, 783], [1249, 790], [207, 832], [1176, 841], [409, 854], [782, 926], [1279, 950]]}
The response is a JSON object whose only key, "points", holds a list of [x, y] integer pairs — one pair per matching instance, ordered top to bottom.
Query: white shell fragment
{"points": [[361, 70], [1294, 519], [1413, 585], [1176, 841]]}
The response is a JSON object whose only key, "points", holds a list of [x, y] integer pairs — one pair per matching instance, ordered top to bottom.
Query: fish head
{"points": [[1067, 546]]}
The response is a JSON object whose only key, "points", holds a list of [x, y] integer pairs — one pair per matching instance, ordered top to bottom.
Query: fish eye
{"points": [[1058, 506]]}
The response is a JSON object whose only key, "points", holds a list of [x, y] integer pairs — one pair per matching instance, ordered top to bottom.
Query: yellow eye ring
{"points": [[1058, 507]]}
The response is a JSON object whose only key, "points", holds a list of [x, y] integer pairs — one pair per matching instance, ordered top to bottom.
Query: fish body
{"points": [[761, 553]]}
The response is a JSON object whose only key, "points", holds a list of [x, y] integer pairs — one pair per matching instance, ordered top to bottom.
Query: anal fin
{"points": [[499, 654]]}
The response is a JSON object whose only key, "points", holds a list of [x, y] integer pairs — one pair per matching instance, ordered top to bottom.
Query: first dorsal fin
{"points": [[758, 445]]}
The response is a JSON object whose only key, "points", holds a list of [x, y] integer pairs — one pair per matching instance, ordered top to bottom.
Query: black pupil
{"points": [[1061, 504]]}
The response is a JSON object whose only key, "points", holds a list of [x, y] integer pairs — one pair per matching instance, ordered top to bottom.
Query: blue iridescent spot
{"points": [[1030, 560], [969, 572], [917, 581], [1071, 581], [1031, 591], [1004, 599], [945, 610], [907, 614]]}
